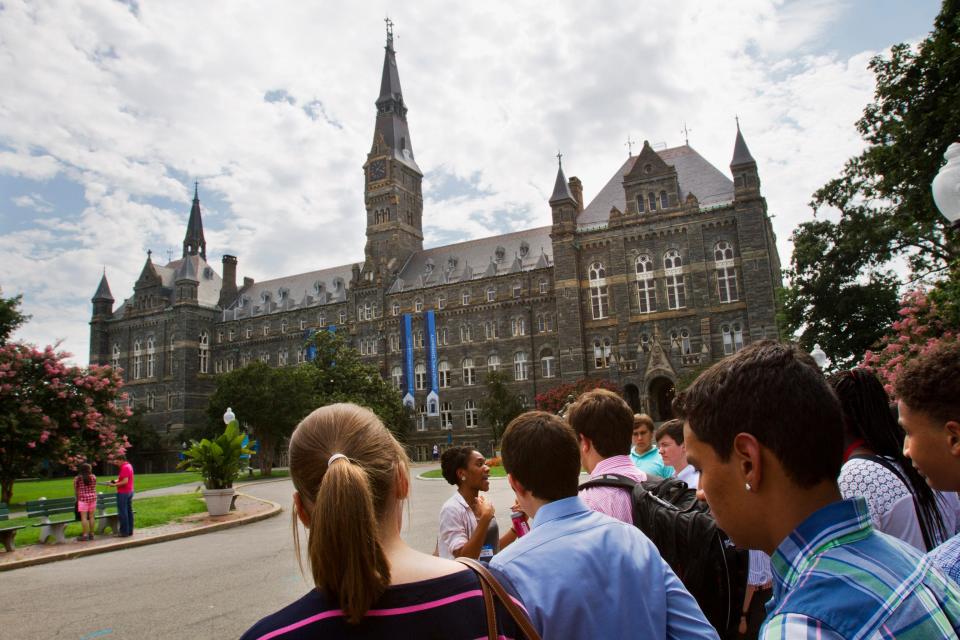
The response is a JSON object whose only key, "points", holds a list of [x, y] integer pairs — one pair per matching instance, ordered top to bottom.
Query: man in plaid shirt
{"points": [[765, 431]]}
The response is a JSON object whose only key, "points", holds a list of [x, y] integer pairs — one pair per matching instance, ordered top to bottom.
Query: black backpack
{"points": [[712, 569]]}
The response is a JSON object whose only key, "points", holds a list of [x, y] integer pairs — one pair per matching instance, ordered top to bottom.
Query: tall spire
{"points": [[391, 110], [741, 154], [561, 189], [194, 243]]}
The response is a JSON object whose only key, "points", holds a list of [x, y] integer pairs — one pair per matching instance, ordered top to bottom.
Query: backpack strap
{"points": [[610, 480]]}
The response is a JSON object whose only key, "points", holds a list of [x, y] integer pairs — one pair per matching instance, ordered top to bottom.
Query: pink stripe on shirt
{"points": [[613, 501]]}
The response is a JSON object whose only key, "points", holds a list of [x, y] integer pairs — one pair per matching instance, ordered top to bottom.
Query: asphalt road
{"points": [[209, 586]]}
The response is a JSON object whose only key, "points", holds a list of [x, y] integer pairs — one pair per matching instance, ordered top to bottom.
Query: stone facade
{"points": [[672, 266]]}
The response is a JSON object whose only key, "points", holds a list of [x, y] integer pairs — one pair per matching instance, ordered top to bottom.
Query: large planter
{"points": [[218, 500]]}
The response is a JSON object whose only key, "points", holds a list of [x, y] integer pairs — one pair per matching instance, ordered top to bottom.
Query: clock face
{"points": [[378, 170]]}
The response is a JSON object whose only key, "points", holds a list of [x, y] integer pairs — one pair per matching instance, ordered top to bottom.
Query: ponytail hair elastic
{"points": [[335, 457]]}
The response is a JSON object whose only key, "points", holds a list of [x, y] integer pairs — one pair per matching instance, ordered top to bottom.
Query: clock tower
{"points": [[392, 194]]}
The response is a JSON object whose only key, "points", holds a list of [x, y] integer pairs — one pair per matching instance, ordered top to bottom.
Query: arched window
{"points": [[652, 201], [664, 202], [641, 206], [726, 272], [646, 286], [676, 289], [491, 294], [599, 299], [418, 305], [518, 326], [732, 337], [680, 342], [204, 352], [601, 353], [282, 356], [151, 357], [115, 359], [137, 360], [493, 363], [547, 363], [520, 366], [469, 373], [443, 374], [396, 375], [420, 376], [470, 414], [446, 415]]}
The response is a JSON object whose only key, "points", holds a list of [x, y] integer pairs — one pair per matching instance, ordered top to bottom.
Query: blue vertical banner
{"points": [[331, 328], [406, 345], [311, 350], [433, 397]]}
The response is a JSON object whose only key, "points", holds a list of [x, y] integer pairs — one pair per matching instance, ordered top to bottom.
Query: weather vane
{"points": [[686, 134], [629, 145], [559, 159]]}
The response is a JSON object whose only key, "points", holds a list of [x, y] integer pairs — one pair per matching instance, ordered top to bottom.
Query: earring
{"points": [[749, 488]]}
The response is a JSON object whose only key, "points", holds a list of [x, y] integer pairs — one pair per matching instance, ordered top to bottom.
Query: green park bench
{"points": [[51, 514], [106, 520], [7, 534]]}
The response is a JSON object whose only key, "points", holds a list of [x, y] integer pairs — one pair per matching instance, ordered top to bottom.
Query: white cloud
{"points": [[133, 106], [33, 201]]}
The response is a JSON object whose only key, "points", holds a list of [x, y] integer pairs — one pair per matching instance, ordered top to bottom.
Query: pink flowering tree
{"points": [[921, 326], [50, 410]]}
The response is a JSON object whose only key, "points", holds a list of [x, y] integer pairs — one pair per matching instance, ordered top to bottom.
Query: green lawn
{"points": [[495, 472], [63, 487], [150, 512]]}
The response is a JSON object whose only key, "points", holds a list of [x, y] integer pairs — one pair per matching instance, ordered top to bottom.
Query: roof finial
{"points": [[389, 24], [737, 118], [686, 134], [629, 145], [559, 159], [196, 190], [149, 253]]}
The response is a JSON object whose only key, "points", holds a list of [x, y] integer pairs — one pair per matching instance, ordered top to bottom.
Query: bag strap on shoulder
{"points": [[610, 480], [518, 615]]}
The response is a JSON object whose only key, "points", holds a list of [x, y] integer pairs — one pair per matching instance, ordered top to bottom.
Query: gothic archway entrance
{"points": [[662, 392], [632, 395]]}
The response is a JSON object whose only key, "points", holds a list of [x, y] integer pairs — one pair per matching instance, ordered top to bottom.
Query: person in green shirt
{"points": [[643, 454]]}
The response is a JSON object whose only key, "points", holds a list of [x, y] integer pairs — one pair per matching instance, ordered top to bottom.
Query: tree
{"points": [[843, 290], [10, 316], [556, 398], [270, 401], [499, 405], [50, 410]]}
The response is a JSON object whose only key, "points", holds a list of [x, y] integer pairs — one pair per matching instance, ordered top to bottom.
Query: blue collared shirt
{"points": [[947, 558], [582, 574], [836, 577]]}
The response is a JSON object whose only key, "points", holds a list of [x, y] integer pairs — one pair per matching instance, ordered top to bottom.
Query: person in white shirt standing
{"points": [[669, 438]]}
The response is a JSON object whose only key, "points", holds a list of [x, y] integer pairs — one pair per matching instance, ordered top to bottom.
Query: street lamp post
{"points": [[946, 186], [820, 357], [228, 416]]}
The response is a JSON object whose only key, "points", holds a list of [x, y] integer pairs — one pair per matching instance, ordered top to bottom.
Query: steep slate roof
{"points": [[741, 154], [695, 174], [561, 190], [477, 259], [301, 290], [103, 291]]}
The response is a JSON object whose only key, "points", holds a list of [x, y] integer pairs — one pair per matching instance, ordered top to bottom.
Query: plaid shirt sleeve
{"points": [[796, 626]]}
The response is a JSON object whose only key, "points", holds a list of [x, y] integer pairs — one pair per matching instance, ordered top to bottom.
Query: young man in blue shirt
{"points": [[928, 393], [765, 431], [583, 574]]}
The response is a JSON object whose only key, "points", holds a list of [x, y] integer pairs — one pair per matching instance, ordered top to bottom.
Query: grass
{"points": [[495, 472], [63, 487], [150, 512]]}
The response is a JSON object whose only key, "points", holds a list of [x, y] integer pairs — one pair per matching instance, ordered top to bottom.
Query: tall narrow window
{"points": [[663, 200], [652, 201], [640, 204], [673, 270], [726, 273], [646, 287], [491, 294], [465, 298], [599, 299], [418, 305], [343, 316], [519, 327], [465, 333], [732, 338], [680, 342], [173, 344], [204, 352], [601, 353], [282, 356], [151, 357], [115, 360], [137, 360], [493, 363], [547, 363], [520, 366], [469, 373], [443, 374], [396, 375], [420, 376], [470, 414], [446, 415], [422, 417]]}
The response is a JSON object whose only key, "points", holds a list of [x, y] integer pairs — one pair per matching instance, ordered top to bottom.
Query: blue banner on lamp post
{"points": [[406, 344], [433, 397]]}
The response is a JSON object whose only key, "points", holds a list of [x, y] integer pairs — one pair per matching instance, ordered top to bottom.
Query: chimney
{"points": [[576, 188], [247, 282], [228, 289]]}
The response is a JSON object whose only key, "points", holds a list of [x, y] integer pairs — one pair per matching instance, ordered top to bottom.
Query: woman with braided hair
{"points": [[900, 501]]}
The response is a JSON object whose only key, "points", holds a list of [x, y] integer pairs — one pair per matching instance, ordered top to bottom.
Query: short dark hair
{"points": [[930, 384], [776, 393], [606, 419], [643, 420], [672, 428], [540, 451], [452, 460]]}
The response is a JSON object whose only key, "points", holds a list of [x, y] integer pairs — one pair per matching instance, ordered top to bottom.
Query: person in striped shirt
{"points": [[603, 423], [765, 430]]}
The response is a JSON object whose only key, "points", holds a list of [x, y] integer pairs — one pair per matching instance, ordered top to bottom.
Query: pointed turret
{"points": [[391, 110], [746, 180], [561, 189], [563, 204], [194, 243], [103, 291]]}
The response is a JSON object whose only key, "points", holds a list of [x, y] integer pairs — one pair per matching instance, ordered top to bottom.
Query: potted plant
{"points": [[220, 461]]}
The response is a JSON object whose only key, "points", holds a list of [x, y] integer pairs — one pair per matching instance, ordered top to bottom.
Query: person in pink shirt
{"points": [[603, 423], [124, 485]]}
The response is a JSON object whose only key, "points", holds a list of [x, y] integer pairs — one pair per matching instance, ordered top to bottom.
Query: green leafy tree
{"points": [[843, 292], [10, 317], [342, 377], [270, 401], [499, 405]]}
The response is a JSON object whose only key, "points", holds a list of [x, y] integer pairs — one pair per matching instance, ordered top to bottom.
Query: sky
{"points": [[110, 111]]}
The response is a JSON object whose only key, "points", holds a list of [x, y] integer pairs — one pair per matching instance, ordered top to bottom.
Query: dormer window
{"points": [[524, 249], [500, 253], [451, 264], [428, 266], [208, 274], [337, 284], [319, 287], [282, 294], [265, 297]]}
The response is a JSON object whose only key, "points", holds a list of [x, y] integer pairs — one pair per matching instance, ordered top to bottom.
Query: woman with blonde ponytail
{"points": [[350, 478]]}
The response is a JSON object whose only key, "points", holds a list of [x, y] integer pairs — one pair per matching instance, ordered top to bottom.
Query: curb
{"points": [[125, 544]]}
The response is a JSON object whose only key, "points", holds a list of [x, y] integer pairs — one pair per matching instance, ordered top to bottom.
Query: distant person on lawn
{"points": [[124, 485], [85, 489]]}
